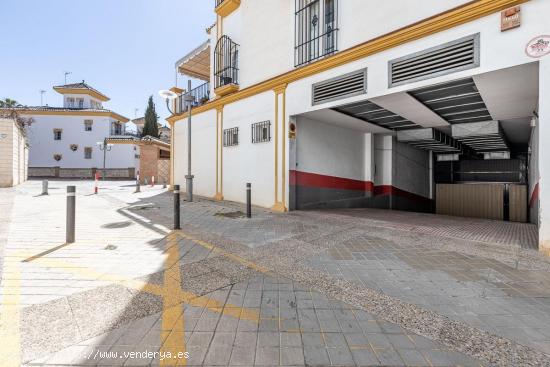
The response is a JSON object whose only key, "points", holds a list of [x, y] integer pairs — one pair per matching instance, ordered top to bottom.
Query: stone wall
{"points": [[13, 154]]}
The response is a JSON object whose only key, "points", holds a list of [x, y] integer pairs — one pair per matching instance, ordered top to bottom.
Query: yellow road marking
{"points": [[229, 255], [179, 295], [172, 311], [10, 337]]}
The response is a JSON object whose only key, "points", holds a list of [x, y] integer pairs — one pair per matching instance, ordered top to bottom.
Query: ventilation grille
{"points": [[449, 58], [344, 86]]}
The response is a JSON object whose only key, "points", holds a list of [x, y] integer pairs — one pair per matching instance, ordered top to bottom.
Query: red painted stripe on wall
{"points": [[298, 178], [328, 182], [534, 196]]}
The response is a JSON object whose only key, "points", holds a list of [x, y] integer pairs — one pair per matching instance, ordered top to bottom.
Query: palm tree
{"points": [[9, 103]]}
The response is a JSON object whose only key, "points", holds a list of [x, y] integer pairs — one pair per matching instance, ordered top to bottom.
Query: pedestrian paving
{"points": [[307, 288]]}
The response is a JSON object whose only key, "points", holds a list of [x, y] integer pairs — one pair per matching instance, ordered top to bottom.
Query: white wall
{"points": [[265, 29], [43, 146], [383, 146], [203, 147], [331, 150], [544, 153], [13, 154], [249, 162], [410, 169], [534, 172]]}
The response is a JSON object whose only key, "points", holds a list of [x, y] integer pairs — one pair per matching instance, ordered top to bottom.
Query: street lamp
{"points": [[189, 99], [105, 148]]}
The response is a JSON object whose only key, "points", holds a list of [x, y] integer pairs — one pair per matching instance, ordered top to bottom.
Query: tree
{"points": [[9, 103], [150, 127]]}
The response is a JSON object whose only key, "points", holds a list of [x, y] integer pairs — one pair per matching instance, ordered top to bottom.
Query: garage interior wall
{"points": [[337, 167]]}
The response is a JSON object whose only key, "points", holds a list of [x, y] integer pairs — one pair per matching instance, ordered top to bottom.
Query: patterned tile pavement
{"points": [[499, 285]]}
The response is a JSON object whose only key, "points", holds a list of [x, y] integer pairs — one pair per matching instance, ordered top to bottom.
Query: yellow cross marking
{"points": [[172, 294]]}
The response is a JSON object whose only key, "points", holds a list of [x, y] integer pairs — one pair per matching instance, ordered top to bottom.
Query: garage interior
{"points": [[463, 148]]}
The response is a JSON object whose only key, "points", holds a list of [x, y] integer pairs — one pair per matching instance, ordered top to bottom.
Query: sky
{"points": [[126, 49]]}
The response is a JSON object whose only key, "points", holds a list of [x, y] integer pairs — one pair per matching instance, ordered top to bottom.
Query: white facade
{"points": [[67, 137], [43, 146], [346, 150]]}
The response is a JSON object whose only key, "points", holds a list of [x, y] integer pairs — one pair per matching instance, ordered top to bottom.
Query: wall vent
{"points": [[451, 57], [343, 86]]}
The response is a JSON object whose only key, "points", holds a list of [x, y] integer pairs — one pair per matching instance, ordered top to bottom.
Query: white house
{"points": [[435, 105], [64, 140]]}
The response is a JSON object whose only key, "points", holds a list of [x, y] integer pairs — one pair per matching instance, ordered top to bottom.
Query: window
{"points": [[316, 30], [70, 102], [80, 102], [95, 104], [88, 125], [116, 128], [261, 132], [57, 134], [231, 137], [88, 153], [164, 154]]}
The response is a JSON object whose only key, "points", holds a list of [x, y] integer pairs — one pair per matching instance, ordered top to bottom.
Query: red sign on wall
{"points": [[510, 18]]}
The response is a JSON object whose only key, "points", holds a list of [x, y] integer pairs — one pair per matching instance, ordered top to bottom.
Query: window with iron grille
{"points": [[316, 30], [261, 132], [231, 137]]}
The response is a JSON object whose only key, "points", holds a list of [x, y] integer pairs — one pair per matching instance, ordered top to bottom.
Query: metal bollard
{"points": [[164, 184], [44, 187], [138, 187], [249, 200], [71, 206], [177, 207]]}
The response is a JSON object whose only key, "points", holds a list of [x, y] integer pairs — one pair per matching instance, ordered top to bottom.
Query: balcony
{"points": [[226, 7], [316, 30], [226, 70], [201, 96]]}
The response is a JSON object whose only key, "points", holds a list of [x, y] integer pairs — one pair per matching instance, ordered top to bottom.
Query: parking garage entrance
{"points": [[465, 147]]}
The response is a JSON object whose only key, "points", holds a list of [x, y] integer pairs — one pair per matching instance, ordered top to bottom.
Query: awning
{"points": [[196, 64]]}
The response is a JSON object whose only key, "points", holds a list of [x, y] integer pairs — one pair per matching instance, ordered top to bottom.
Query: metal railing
{"points": [[219, 2], [316, 30], [226, 70], [201, 96]]}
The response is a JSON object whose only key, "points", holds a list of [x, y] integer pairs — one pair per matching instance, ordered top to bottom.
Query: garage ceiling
{"points": [[371, 112]]}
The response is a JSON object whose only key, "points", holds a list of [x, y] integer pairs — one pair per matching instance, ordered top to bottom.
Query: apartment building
{"points": [[434, 106]]}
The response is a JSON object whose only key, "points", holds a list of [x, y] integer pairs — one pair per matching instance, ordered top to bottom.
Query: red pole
{"points": [[96, 181]]}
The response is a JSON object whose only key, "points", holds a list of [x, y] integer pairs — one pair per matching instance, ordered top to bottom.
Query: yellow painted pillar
{"points": [[280, 140], [219, 154]]}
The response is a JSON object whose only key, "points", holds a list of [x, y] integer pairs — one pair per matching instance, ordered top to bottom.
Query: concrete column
{"points": [[544, 151], [369, 162]]}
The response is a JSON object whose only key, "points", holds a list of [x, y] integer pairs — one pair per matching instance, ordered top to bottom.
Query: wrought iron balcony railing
{"points": [[218, 2], [316, 30], [226, 70], [201, 96]]}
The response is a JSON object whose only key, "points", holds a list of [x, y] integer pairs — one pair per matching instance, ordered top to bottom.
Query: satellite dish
{"points": [[168, 94]]}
